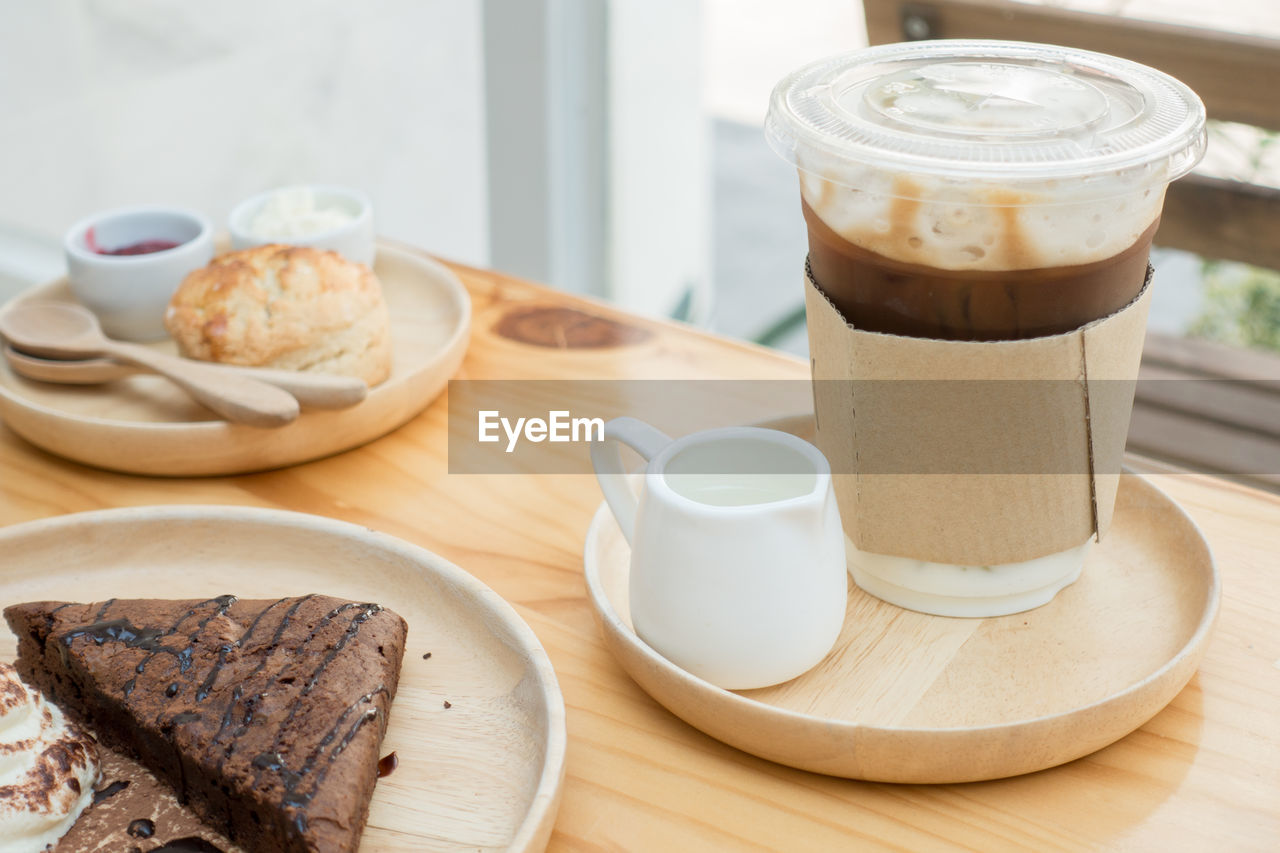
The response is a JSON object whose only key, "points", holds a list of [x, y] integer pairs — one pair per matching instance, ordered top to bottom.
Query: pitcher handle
{"points": [[606, 459]]}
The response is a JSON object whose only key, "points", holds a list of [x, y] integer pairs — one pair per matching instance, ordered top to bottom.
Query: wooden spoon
{"points": [[60, 330], [312, 390]]}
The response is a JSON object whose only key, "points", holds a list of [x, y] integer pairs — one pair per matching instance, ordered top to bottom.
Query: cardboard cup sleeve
{"points": [[974, 453]]}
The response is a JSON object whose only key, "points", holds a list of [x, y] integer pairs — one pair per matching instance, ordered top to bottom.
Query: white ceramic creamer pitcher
{"points": [[737, 553]]}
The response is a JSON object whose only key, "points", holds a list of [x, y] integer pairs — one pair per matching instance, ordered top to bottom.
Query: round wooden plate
{"points": [[146, 425], [907, 697], [483, 774]]}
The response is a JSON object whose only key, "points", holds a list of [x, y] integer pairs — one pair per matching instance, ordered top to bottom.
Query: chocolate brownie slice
{"points": [[266, 717]]}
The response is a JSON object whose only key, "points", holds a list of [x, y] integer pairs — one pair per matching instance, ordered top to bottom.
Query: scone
{"points": [[290, 307]]}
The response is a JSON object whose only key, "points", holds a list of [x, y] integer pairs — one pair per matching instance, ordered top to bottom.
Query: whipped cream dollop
{"points": [[295, 212], [951, 224], [48, 768]]}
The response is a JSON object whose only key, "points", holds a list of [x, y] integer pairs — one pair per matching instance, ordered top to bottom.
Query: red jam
{"points": [[142, 247], [145, 247]]}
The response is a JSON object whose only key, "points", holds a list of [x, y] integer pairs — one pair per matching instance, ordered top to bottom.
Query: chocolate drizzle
{"points": [[360, 618], [352, 629], [148, 639], [203, 692], [237, 692], [109, 791], [295, 797], [298, 799], [143, 827]]}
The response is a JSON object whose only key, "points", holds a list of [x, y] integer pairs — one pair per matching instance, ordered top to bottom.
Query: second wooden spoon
{"points": [[60, 330], [312, 390]]}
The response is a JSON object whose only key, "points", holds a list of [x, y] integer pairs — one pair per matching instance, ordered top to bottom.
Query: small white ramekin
{"points": [[354, 240], [129, 293]]}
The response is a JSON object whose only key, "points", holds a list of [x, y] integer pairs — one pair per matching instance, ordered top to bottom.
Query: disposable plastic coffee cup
{"points": [[982, 190], [978, 210]]}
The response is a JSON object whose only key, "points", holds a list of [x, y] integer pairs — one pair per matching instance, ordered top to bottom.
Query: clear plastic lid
{"points": [[991, 111]]}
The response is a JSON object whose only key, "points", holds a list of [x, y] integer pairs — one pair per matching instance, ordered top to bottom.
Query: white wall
{"points": [[752, 44], [112, 102]]}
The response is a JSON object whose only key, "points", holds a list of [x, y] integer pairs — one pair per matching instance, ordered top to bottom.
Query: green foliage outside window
{"points": [[1241, 303], [1241, 306]]}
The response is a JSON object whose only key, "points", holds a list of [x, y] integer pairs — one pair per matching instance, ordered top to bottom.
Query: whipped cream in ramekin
{"points": [[296, 212], [48, 768]]}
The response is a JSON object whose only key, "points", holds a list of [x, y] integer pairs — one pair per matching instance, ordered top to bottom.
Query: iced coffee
{"points": [[981, 190], [1003, 195], [1002, 281]]}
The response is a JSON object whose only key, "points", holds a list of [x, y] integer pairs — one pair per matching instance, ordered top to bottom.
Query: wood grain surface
{"points": [[1202, 774]]}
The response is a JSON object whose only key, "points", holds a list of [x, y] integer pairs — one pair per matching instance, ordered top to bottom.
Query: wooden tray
{"points": [[145, 425], [907, 697], [485, 774]]}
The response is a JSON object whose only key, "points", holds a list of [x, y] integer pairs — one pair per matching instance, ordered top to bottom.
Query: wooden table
{"points": [[1203, 775]]}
